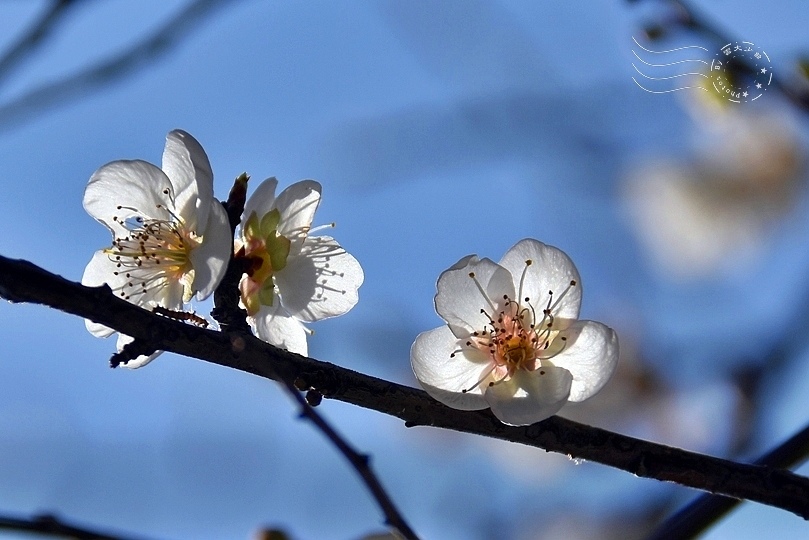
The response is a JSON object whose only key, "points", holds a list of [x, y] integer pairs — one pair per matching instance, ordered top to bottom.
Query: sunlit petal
{"points": [[529, 396]]}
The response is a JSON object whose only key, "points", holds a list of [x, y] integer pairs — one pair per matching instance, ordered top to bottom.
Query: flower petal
{"points": [[188, 169], [124, 190], [262, 201], [297, 204], [210, 259], [550, 270], [98, 272], [321, 281], [459, 300], [273, 325], [591, 355], [140, 361], [445, 377], [529, 396]]}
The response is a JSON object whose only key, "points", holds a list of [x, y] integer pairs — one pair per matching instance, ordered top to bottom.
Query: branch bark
{"points": [[22, 281]]}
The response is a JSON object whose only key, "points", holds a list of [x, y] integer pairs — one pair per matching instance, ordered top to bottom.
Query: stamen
{"points": [[321, 227], [528, 263], [570, 286], [482, 292], [557, 353], [485, 375]]}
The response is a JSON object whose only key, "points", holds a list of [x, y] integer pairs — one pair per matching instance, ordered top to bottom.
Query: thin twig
{"points": [[154, 46], [22, 281], [226, 296], [231, 317], [360, 462], [708, 509], [53, 526]]}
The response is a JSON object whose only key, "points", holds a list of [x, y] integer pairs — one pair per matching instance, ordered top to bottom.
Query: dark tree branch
{"points": [[154, 46], [22, 281], [226, 296], [232, 318], [360, 462], [708, 509], [53, 526]]}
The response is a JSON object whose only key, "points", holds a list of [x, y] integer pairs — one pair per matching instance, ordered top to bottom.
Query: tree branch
{"points": [[36, 35], [152, 47], [22, 281], [360, 462], [708, 509], [52, 525]]}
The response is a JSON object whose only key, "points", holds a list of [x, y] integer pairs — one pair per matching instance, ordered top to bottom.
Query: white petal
{"points": [[188, 169], [136, 186], [261, 201], [297, 205], [210, 259], [101, 269], [550, 270], [98, 272], [321, 282], [168, 294], [459, 300], [273, 325], [591, 355], [140, 361], [444, 377], [529, 396]]}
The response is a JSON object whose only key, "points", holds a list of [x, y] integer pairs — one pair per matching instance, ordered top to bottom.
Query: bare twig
{"points": [[36, 35], [141, 54], [22, 281], [226, 296], [228, 313], [360, 462], [708, 509], [53, 526]]}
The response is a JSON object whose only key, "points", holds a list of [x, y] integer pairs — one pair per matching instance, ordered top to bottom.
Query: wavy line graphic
{"points": [[667, 65]]}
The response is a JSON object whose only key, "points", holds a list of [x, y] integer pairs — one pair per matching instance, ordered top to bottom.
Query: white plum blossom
{"points": [[171, 238], [291, 277], [512, 340]]}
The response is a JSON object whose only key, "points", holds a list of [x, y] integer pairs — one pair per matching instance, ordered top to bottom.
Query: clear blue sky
{"points": [[437, 130]]}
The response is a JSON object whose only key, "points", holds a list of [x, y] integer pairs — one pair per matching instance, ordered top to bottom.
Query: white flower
{"points": [[171, 238], [292, 278], [512, 341]]}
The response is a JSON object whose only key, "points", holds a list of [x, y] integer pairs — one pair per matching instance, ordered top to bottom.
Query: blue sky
{"points": [[437, 130]]}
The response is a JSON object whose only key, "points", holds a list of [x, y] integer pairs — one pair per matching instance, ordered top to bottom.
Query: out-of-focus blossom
{"points": [[694, 216]]}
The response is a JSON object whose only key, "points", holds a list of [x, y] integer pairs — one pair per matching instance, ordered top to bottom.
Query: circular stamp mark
{"points": [[724, 82]]}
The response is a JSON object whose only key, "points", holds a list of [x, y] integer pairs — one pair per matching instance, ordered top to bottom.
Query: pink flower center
{"points": [[515, 338]]}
